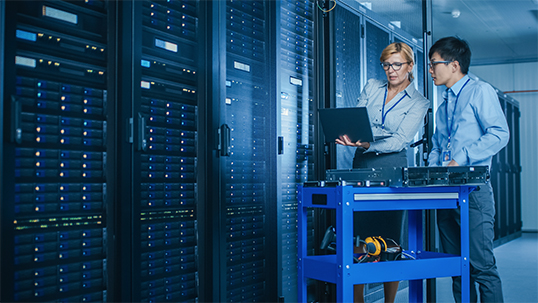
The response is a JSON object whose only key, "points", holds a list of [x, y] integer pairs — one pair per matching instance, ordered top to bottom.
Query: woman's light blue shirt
{"points": [[401, 123]]}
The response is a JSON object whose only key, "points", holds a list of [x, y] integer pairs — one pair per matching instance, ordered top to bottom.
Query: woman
{"points": [[396, 111]]}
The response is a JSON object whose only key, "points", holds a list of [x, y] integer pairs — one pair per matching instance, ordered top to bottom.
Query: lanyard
{"points": [[383, 114], [449, 128]]}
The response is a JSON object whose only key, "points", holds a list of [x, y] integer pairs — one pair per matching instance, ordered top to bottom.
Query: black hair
{"points": [[453, 49]]}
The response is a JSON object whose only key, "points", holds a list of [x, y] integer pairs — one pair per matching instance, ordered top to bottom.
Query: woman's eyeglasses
{"points": [[396, 66]]}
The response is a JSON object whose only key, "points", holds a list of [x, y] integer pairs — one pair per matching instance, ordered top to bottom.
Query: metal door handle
{"points": [[16, 130], [225, 140], [142, 141]]}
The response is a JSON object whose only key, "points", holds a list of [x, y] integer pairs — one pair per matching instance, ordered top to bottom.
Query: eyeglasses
{"points": [[434, 63], [396, 66]]}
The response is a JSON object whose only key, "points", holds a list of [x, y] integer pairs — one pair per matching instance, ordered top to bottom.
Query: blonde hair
{"points": [[401, 48]]}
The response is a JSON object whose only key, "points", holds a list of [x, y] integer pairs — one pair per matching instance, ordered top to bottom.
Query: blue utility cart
{"points": [[340, 269]]}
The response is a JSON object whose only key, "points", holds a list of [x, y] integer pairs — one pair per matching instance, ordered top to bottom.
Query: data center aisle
{"points": [[517, 262]]}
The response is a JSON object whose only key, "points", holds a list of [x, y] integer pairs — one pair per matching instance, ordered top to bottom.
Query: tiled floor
{"points": [[517, 262]]}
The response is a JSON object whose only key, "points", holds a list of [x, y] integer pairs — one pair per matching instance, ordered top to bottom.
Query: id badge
{"points": [[447, 157]]}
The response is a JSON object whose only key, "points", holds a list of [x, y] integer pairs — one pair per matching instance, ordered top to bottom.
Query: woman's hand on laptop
{"points": [[344, 140]]}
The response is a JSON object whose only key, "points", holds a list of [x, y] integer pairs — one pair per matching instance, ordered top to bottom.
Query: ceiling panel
{"points": [[498, 31]]}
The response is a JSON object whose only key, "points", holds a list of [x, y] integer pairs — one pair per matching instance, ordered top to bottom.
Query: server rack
{"points": [[149, 65], [162, 95], [245, 116], [296, 129], [506, 177], [55, 207]]}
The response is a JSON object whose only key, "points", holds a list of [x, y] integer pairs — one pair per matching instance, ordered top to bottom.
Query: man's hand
{"points": [[344, 140], [453, 163]]}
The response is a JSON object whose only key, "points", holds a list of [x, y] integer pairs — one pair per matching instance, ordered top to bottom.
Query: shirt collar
{"points": [[456, 88], [409, 90]]}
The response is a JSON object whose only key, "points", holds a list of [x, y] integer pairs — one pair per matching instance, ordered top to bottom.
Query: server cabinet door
{"points": [[347, 36], [377, 39], [419, 74], [165, 97], [297, 110], [247, 153], [55, 173], [505, 177], [510, 180], [500, 187], [516, 224]]}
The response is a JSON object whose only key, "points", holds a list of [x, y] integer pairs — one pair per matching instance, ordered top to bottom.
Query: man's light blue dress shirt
{"points": [[479, 129]]}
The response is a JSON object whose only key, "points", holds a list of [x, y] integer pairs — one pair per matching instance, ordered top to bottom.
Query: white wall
{"points": [[518, 77]]}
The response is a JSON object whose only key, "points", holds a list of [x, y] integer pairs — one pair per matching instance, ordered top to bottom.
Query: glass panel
{"points": [[404, 15], [384, 21], [376, 40], [348, 70], [419, 74], [297, 107]]}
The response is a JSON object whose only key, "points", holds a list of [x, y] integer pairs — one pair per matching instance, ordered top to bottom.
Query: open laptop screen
{"points": [[350, 121]]}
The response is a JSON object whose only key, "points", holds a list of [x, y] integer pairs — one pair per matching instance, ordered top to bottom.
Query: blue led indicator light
{"points": [[26, 35]]}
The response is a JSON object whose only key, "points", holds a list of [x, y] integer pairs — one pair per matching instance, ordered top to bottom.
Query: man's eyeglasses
{"points": [[434, 63], [396, 66]]}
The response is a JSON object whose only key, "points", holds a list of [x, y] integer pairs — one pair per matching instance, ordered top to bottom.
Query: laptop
{"points": [[350, 121]]}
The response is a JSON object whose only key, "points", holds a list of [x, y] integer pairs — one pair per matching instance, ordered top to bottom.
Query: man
{"points": [[470, 130]]}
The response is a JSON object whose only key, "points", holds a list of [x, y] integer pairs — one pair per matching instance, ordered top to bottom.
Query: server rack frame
{"points": [[217, 40], [113, 138], [205, 150], [429, 215], [6, 226], [277, 242], [123, 271], [211, 291]]}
